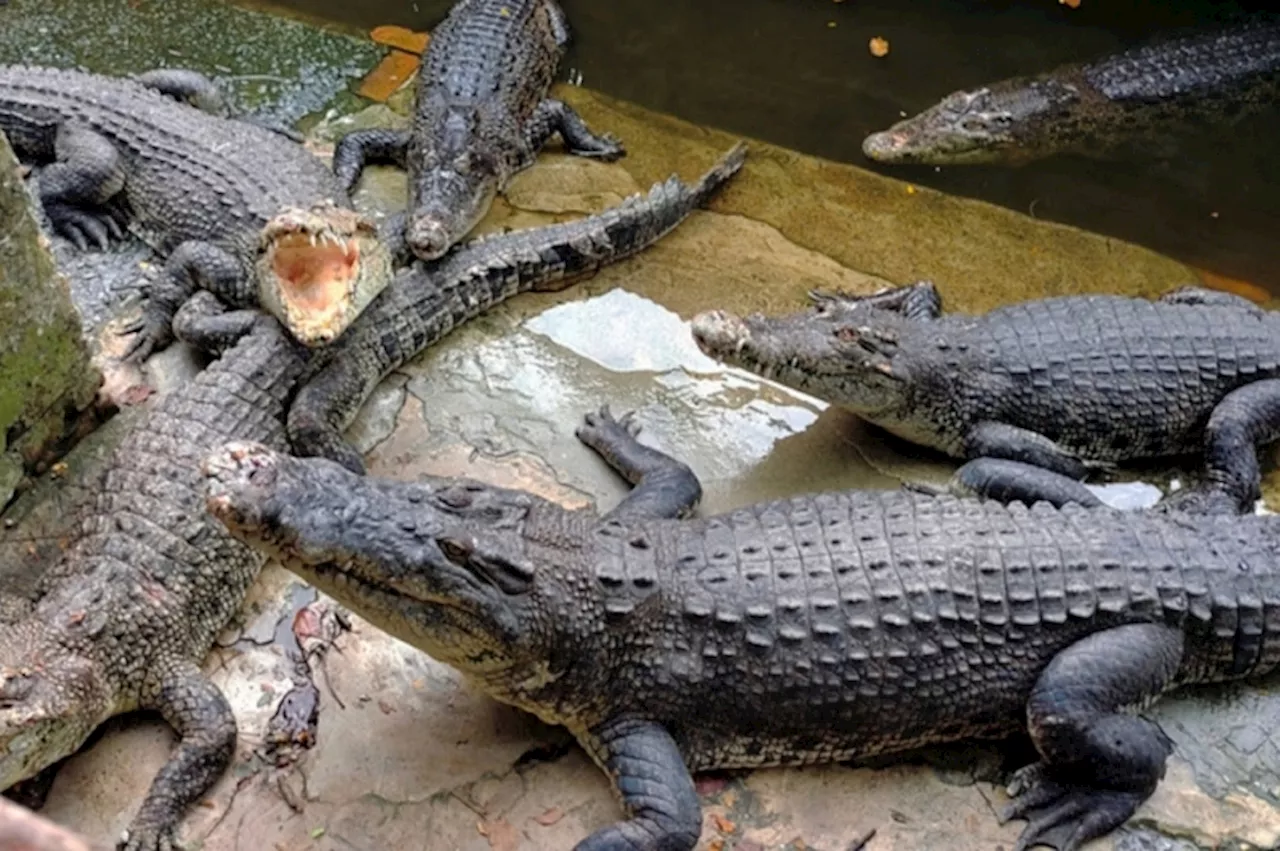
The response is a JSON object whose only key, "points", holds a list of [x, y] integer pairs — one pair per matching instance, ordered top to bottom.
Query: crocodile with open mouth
{"points": [[236, 208]]}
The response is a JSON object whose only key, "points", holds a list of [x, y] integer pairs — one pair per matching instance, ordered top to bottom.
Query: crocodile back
{"points": [[492, 61], [1215, 64], [191, 175], [1108, 377], [149, 565], [844, 624]]}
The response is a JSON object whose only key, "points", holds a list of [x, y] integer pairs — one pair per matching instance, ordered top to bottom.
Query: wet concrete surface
{"points": [[405, 754]]}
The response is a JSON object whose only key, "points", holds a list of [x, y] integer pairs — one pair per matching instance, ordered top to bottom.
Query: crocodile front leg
{"points": [[553, 116], [361, 148], [78, 187], [192, 266], [920, 300], [1001, 440], [664, 487], [196, 709], [1098, 762], [655, 787]]}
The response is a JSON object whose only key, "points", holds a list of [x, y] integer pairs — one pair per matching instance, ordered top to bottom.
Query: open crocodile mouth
{"points": [[313, 270], [315, 274]]}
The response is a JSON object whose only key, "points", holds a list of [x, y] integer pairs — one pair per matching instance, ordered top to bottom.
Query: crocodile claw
{"points": [[82, 227], [151, 334], [601, 427], [1064, 816]]}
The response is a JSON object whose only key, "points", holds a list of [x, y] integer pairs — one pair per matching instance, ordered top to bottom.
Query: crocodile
{"points": [[1096, 108], [481, 114], [234, 207], [409, 314], [1067, 383], [133, 605], [129, 611], [819, 628]]}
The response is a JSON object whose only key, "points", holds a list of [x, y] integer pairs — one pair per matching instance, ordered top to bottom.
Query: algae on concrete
{"points": [[45, 371]]}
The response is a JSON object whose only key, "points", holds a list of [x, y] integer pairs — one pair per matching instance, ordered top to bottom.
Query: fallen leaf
{"points": [[1071, 4], [400, 37], [879, 47], [389, 74], [1248, 290], [136, 394], [386, 708], [550, 817], [723, 824], [317, 832], [501, 834], [715, 845]]}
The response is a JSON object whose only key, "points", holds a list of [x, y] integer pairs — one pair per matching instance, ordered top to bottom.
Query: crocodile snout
{"points": [[427, 238], [718, 332], [238, 479]]}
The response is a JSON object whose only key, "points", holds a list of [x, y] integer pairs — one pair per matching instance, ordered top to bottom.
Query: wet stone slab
{"points": [[407, 755]]}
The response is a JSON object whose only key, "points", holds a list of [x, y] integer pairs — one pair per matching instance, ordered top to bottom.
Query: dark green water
{"points": [[776, 70]]}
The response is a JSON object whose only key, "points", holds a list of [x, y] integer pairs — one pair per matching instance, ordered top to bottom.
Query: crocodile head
{"points": [[997, 124], [454, 186], [453, 198], [318, 269], [838, 351], [420, 561], [51, 698]]}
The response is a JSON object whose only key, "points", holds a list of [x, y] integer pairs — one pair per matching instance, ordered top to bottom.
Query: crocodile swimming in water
{"points": [[1093, 108], [481, 115], [236, 208], [405, 318], [1057, 382], [129, 612], [815, 629]]}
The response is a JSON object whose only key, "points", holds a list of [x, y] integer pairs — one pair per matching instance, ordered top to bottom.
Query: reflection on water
{"points": [[801, 75]]}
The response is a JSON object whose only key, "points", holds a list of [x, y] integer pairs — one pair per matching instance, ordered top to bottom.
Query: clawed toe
{"points": [[1062, 816]]}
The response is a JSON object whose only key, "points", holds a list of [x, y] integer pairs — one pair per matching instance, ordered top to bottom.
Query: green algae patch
{"points": [[274, 67], [45, 372]]}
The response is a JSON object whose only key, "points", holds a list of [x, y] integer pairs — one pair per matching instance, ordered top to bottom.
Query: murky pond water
{"points": [[800, 74]]}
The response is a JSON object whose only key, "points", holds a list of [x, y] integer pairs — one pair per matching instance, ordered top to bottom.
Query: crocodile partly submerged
{"points": [[1095, 107], [481, 115], [236, 208], [428, 298], [1065, 383], [129, 612], [814, 629]]}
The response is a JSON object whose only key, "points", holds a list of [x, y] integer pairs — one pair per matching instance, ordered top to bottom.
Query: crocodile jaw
{"points": [[965, 128], [319, 269], [371, 546]]}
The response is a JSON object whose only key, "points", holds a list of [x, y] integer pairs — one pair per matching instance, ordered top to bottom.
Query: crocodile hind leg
{"points": [[197, 90], [552, 116], [361, 148], [78, 189], [192, 266], [1001, 440], [1013, 481], [664, 487], [206, 728], [1098, 763], [653, 783]]}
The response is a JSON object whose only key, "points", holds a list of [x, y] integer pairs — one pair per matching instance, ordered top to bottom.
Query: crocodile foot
{"points": [[83, 227], [152, 333], [1064, 815], [144, 838]]}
